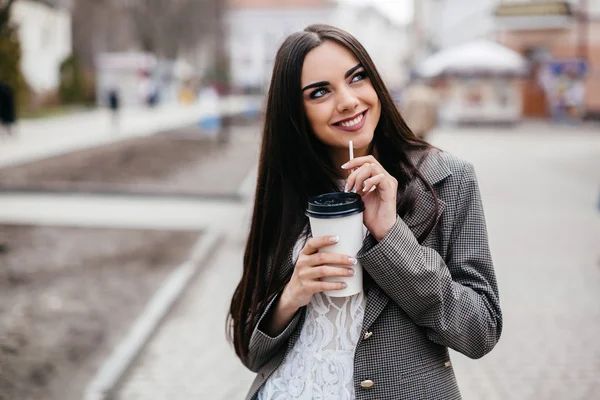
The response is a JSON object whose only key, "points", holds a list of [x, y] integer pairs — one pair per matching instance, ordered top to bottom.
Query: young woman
{"points": [[429, 278]]}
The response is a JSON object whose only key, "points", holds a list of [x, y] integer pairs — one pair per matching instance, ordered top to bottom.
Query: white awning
{"points": [[480, 56]]}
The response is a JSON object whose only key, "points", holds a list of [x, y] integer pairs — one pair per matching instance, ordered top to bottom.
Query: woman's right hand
{"points": [[311, 267]]}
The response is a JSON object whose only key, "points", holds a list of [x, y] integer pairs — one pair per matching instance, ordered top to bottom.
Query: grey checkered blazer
{"points": [[422, 299]]}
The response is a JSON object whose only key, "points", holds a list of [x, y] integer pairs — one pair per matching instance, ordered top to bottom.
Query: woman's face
{"points": [[339, 100]]}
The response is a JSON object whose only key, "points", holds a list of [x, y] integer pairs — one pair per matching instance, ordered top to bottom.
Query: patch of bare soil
{"points": [[178, 162], [67, 295]]}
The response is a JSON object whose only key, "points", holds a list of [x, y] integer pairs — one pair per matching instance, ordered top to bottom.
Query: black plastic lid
{"points": [[335, 205]]}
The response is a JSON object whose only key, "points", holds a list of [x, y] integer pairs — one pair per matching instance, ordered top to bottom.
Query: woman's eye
{"points": [[359, 77], [318, 93]]}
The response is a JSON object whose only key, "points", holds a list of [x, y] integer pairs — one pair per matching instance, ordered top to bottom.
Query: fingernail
{"points": [[345, 166], [346, 188], [373, 188], [354, 189], [334, 239], [352, 260], [351, 271], [344, 285]]}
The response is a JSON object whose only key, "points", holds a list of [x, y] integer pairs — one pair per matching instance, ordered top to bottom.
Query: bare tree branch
{"points": [[5, 6], [166, 27]]}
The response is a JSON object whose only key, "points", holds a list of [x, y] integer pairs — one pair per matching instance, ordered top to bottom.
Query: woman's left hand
{"points": [[378, 189]]}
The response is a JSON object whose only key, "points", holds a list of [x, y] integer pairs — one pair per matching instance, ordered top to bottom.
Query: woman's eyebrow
{"points": [[351, 70], [325, 83], [316, 84]]}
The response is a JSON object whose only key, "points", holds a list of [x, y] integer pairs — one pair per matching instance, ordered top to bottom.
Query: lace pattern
{"points": [[321, 363]]}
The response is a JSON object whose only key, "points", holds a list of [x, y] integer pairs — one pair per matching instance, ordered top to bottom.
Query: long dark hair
{"points": [[294, 165]]}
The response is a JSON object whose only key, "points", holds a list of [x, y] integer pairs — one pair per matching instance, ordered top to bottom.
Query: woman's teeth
{"points": [[355, 121]]}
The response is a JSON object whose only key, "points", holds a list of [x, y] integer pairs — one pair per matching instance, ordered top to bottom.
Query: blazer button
{"points": [[367, 335], [367, 384]]}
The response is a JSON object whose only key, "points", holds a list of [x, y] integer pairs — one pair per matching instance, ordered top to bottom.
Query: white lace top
{"points": [[321, 363]]}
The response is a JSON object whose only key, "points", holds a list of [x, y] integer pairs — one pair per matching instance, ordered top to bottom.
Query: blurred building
{"points": [[464, 20], [258, 27], [44, 29], [426, 29], [560, 39], [386, 41], [477, 82]]}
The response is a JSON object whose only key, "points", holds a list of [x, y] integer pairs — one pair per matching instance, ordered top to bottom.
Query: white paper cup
{"points": [[340, 214]]}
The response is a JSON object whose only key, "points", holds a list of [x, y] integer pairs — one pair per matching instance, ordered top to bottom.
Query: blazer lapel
{"points": [[435, 170], [418, 220], [376, 302]]}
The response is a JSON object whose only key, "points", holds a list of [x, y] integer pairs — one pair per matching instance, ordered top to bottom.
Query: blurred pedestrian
{"points": [[152, 96], [575, 100], [114, 106], [420, 109], [8, 114], [211, 121], [429, 278]]}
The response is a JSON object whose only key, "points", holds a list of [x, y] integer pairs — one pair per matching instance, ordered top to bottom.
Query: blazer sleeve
{"points": [[456, 300], [263, 347]]}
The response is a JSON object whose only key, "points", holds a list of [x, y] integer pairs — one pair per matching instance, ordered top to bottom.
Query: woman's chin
{"points": [[361, 142]]}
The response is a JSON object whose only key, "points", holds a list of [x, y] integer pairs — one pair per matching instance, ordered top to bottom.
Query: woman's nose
{"points": [[347, 101]]}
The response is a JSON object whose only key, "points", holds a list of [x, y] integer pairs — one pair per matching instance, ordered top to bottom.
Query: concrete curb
{"points": [[164, 118], [246, 189], [235, 197], [111, 373]]}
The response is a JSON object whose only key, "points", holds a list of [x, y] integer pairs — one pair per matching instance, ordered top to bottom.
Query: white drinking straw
{"points": [[351, 149]]}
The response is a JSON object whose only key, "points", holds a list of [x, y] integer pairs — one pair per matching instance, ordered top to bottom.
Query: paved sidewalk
{"points": [[36, 139], [540, 188], [539, 192], [118, 212], [189, 358]]}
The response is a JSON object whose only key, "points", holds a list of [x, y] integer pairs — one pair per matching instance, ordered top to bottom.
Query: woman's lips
{"points": [[356, 127]]}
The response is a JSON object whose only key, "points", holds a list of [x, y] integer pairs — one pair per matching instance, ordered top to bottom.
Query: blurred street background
{"points": [[129, 138]]}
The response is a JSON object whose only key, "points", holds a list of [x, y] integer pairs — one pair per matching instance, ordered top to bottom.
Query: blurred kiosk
{"points": [[129, 73], [141, 78], [478, 82]]}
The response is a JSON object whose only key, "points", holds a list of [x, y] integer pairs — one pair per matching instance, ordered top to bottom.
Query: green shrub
{"points": [[10, 69], [71, 87]]}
